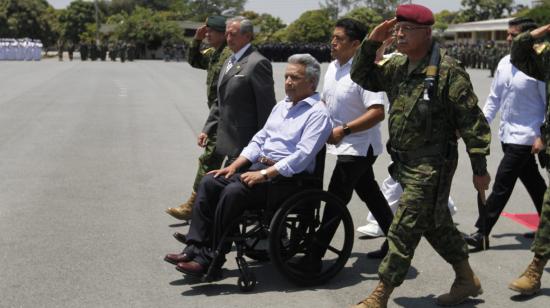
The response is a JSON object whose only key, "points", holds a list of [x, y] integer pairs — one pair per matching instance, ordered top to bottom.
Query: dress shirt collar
{"points": [[238, 55], [347, 64], [311, 100]]}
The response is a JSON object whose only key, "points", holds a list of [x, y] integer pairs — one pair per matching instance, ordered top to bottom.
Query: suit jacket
{"points": [[245, 99]]}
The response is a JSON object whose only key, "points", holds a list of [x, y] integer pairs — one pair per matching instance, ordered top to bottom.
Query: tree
{"points": [[336, 7], [386, 8], [475, 10], [540, 14], [365, 15], [28, 18], [75, 19], [443, 19], [268, 25], [312, 26], [146, 27]]}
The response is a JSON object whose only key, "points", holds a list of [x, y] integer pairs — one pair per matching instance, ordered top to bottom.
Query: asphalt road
{"points": [[92, 153]]}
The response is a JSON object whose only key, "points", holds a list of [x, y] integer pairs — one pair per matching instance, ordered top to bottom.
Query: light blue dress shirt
{"points": [[521, 100], [292, 136]]}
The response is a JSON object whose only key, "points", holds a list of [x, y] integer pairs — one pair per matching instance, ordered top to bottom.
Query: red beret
{"points": [[415, 13]]}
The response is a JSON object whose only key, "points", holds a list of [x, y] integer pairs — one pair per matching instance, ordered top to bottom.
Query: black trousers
{"points": [[517, 162], [354, 173], [219, 202]]}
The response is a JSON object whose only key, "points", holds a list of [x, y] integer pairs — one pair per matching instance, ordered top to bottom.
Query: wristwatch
{"points": [[346, 129], [264, 173]]}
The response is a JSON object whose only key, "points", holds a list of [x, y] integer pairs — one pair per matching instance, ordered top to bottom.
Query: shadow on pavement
{"points": [[268, 279], [524, 298], [429, 301]]}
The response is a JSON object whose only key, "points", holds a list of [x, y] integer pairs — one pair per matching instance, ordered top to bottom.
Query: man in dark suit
{"points": [[245, 91]]}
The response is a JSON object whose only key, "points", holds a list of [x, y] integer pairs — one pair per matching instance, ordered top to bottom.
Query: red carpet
{"points": [[530, 220]]}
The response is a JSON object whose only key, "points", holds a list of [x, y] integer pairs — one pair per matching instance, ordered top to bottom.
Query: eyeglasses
{"points": [[406, 28]]}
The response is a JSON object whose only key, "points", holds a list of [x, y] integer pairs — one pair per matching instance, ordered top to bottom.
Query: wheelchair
{"points": [[290, 223]]}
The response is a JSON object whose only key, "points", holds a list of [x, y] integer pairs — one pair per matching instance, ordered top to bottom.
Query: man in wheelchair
{"points": [[294, 133]]}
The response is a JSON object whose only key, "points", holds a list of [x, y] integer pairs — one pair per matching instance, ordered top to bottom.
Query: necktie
{"points": [[230, 64]]}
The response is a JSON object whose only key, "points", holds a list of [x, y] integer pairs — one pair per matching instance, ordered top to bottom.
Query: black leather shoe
{"points": [[180, 237], [476, 240], [380, 253]]}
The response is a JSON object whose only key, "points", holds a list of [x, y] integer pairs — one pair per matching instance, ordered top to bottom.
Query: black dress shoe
{"points": [[180, 237], [476, 240], [380, 253]]}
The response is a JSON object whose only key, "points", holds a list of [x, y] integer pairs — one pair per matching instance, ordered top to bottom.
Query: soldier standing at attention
{"points": [[212, 60], [534, 60], [431, 99]]}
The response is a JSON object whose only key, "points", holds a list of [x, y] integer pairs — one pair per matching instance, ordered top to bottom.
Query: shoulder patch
{"points": [[539, 48], [208, 51]]}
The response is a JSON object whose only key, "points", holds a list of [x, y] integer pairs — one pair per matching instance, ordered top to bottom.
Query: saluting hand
{"points": [[383, 31], [540, 31], [201, 33]]}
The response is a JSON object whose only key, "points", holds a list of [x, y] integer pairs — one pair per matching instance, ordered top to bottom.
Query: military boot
{"points": [[183, 212], [529, 282], [466, 284], [378, 298]]}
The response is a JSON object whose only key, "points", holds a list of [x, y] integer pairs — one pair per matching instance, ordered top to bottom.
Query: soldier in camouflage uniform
{"points": [[212, 60], [534, 60], [423, 126]]}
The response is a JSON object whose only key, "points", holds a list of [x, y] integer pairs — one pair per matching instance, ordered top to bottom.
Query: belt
{"points": [[442, 150], [266, 161]]}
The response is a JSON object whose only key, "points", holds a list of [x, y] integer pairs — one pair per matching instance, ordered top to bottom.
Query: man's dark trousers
{"points": [[517, 162], [354, 173]]}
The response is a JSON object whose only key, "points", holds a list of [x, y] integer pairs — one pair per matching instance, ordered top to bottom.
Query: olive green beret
{"points": [[216, 23]]}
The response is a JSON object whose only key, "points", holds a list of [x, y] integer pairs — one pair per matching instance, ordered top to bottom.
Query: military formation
{"points": [[20, 49], [90, 50], [480, 56], [432, 105]]}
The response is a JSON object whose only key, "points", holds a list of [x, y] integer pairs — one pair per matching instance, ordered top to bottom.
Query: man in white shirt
{"points": [[521, 100], [356, 138]]}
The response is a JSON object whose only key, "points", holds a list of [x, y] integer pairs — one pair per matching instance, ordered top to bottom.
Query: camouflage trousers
{"points": [[208, 161], [422, 211], [541, 244]]}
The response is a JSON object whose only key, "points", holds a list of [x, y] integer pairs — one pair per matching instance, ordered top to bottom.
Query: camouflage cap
{"points": [[216, 23]]}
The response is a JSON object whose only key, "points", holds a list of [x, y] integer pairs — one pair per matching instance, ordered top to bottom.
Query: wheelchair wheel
{"points": [[298, 233]]}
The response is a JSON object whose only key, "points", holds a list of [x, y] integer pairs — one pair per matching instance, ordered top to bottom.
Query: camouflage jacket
{"points": [[211, 60], [534, 60], [453, 110]]}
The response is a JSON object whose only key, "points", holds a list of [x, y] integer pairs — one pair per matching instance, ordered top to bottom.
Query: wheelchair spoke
{"points": [[336, 251]]}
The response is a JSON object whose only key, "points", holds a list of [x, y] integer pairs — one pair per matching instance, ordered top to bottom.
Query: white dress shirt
{"points": [[521, 100], [347, 101]]}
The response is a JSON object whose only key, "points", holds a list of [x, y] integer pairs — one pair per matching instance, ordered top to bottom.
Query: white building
{"points": [[476, 31]]}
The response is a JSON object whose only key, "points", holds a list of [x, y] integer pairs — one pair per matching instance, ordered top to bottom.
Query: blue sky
{"points": [[289, 10]]}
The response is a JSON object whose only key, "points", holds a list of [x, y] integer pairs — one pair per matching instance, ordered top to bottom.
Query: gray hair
{"points": [[246, 24], [313, 68]]}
